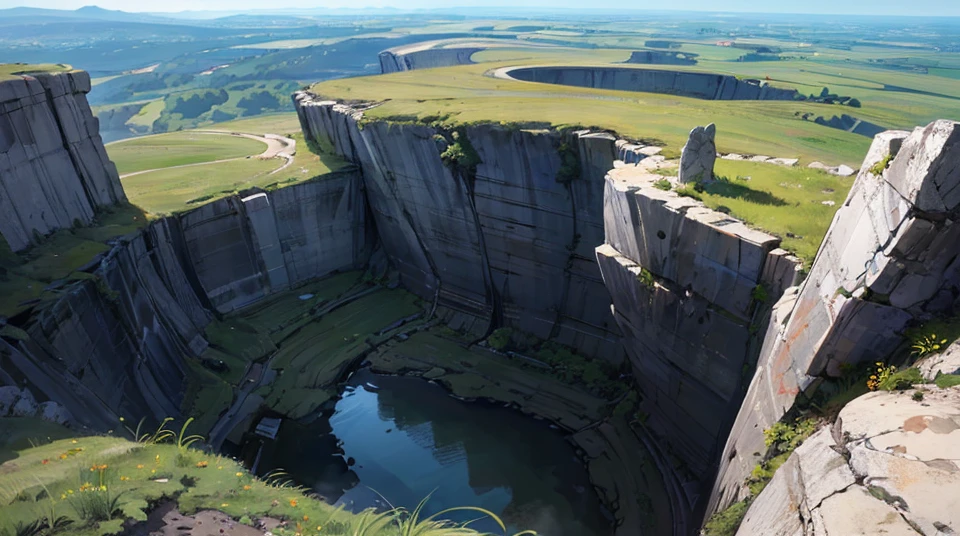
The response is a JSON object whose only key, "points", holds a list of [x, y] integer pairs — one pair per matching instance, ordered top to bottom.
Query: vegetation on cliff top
{"points": [[99, 484]]}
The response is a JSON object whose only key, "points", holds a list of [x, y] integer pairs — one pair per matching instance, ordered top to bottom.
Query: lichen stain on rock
{"points": [[937, 425]]}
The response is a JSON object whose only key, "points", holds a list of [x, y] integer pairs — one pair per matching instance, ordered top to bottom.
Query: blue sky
{"points": [[871, 7]]}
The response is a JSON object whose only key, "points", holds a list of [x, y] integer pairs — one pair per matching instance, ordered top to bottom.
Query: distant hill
{"points": [[35, 14]]}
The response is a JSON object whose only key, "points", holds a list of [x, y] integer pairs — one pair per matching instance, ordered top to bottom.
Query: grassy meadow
{"points": [[178, 149]]}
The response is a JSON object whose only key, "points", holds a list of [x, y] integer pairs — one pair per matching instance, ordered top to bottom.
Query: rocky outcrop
{"points": [[396, 60], [684, 83], [698, 155], [54, 171], [498, 232], [889, 258], [683, 280], [947, 362], [889, 465]]}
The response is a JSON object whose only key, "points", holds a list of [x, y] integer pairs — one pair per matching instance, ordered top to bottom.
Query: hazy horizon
{"points": [[917, 8]]}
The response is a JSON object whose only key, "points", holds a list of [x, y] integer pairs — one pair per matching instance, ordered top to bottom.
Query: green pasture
{"points": [[178, 149]]}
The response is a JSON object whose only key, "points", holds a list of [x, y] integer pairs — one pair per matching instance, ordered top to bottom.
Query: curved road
{"points": [[277, 147]]}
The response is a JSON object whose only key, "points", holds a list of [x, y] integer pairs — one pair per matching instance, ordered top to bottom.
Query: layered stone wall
{"points": [[396, 60], [684, 83], [54, 171], [506, 242], [247, 246], [890, 258], [684, 280]]}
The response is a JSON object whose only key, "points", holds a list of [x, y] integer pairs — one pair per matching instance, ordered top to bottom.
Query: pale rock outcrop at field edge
{"points": [[698, 155], [54, 171], [891, 256], [889, 465]]}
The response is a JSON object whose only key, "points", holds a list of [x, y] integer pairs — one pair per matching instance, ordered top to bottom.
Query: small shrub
{"points": [[569, 164], [881, 165], [663, 184], [646, 278], [760, 294], [500, 338], [928, 344], [882, 373], [904, 379], [945, 381], [918, 396], [784, 437], [726, 522]]}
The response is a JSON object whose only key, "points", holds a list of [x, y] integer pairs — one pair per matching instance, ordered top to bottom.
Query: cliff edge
{"points": [[54, 171]]}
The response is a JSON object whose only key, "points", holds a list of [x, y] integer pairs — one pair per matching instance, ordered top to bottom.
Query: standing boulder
{"points": [[699, 154], [8, 398], [26, 406], [53, 412]]}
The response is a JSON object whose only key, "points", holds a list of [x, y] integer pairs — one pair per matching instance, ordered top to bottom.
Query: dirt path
{"points": [[277, 147]]}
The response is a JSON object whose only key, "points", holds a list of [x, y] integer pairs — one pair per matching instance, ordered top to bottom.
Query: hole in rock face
{"points": [[661, 235], [409, 439]]}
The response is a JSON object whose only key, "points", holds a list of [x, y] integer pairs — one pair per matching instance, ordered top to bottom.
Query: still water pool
{"points": [[401, 439]]}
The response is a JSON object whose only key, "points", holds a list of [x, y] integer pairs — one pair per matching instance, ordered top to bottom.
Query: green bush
{"points": [[460, 154], [569, 164], [882, 165], [663, 184], [500, 338], [903, 379], [945, 381], [785, 437], [726, 522]]}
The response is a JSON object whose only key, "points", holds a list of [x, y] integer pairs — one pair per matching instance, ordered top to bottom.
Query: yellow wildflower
{"points": [[74, 441], [202, 464], [139, 466], [153, 470], [239, 474], [124, 478], [247, 487], [63, 496], [293, 502], [224, 505], [305, 518]]}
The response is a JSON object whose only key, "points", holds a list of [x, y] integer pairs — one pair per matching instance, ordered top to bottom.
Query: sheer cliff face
{"points": [[391, 61], [54, 171], [507, 241], [891, 256], [683, 279]]}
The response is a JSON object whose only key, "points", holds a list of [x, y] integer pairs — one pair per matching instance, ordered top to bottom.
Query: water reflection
{"points": [[406, 438]]}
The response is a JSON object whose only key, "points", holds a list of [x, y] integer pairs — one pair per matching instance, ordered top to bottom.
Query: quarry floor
{"points": [[291, 352]]}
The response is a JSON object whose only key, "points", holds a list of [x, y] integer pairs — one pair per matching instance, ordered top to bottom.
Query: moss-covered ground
{"points": [[9, 71], [27, 276]]}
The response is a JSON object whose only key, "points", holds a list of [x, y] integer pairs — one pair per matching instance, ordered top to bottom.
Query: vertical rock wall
{"points": [[392, 61], [54, 171], [507, 242], [247, 246], [890, 257], [683, 279], [121, 337]]}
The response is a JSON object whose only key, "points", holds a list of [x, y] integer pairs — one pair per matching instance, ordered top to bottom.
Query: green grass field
{"points": [[10, 70], [178, 149], [782, 200], [99, 483]]}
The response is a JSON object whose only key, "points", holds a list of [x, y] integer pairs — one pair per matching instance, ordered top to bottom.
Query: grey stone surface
{"points": [[392, 61], [699, 155], [54, 171], [509, 244], [889, 258], [682, 280], [946, 362], [9, 395], [26, 405], [54, 412], [896, 472]]}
